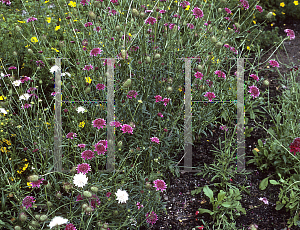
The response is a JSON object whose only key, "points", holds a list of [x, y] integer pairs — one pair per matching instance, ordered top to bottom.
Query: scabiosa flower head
{"points": [[84, 2], [184, 4], [245, 4], [259, 8], [162, 11], [228, 11], [198, 13], [31, 19], [150, 20], [88, 24], [171, 26], [191, 26], [98, 28], [290, 33], [226, 46], [95, 51], [274, 63], [12, 67], [88, 67], [220, 74], [254, 77], [100, 87], [254, 91], [132, 93], [210, 95], [158, 98], [166, 101], [160, 114], [99, 123], [115, 123], [224, 127], [127, 129], [71, 135], [155, 139], [81, 146], [295, 146], [100, 148], [87, 154], [83, 168], [80, 180], [37, 183], [160, 185], [108, 194], [122, 196], [79, 197], [264, 199], [28, 201], [94, 201], [139, 205], [151, 218], [56, 221], [70, 227]]}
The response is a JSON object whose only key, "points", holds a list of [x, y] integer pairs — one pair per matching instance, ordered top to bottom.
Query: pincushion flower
{"points": [[184, 4], [245, 4], [259, 8], [228, 11], [198, 13], [31, 19], [150, 20], [290, 33], [95, 51], [274, 63], [220, 74], [254, 77], [100, 87], [254, 91], [132, 93], [210, 95], [158, 98], [166, 101], [99, 123], [127, 129], [71, 135], [155, 139], [295, 145], [100, 148], [87, 154], [83, 168], [80, 180], [37, 183], [160, 185], [122, 196], [28, 201], [151, 218], [56, 221], [70, 227]]}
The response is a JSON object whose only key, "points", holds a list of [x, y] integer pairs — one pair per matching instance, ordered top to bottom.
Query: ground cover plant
{"points": [[148, 38]]}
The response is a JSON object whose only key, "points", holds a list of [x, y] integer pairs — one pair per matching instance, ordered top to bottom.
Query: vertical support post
{"points": [[240, 116], [188, 118], [57, 119], [110, 165]]}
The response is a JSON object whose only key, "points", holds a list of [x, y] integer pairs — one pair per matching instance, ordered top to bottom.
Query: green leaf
{"points": [[260, 143], [274, 182], [263, 184], [208, 192], [221, 195], [226, 204], [279, 206], [202, 210]]}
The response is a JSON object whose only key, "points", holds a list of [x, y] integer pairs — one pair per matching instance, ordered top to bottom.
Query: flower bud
{"points": [[220, 10], [135, 12], [92, 15], [142, 15], [269, 15], [237, 25], [18, 28], [213, 39], [61, 43], [218, 44], [30, 51], [15, 53], [123, 53], [157, 56], [148, 59], [200, 67], [100, 78], [40, 81], [266, 82], [127, 83], [169, 89], [87, 90], [120, 143], [33, 178], [148, 185], [48, 186], [67, 186], [94, 189], [87, 194], [58, 195], [49, 204], [84, 206], [88, 209], [115, 213], [23, 216], [37, 217], [43, 218], [34, 223], [99, 224], [105, 225], [17, 227]]}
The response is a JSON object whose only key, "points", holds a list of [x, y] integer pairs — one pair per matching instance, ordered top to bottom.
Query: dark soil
{"points": [[181, 205]]}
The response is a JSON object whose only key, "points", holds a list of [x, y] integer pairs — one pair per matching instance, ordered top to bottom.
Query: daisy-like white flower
{"points": [[54, 69], [17, 83], [25, 96], [81, 109], [2, 110], [80, 180], [160, 185], [122, 196], [56, 221]]}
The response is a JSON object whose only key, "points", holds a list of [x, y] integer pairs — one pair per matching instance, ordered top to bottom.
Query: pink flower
{"points": [[114, 1], [7, 2], [84, 2], [184, 4], [245, 4], [259, 8], [162, 11], [228, 11], [197, 12], [227, 18], [31, 19], [151, 20], [88, 24], [171, 26], [191, 26], [97, 28], [290, 33], [226, 46], [95, 51], [274, 63], [12, 67], [88, 67], [220, 74], [198, 75], [254, 77], [100, 87], [254, 91], [132, 93], [210, 95], [158, 98], [166, 101], [26, 106], [160, 114], [99, 123], [115, 123], [224, 127], [127, 129], [71, 135], [155, 139], [295, 145], [101, 147], [87, 154], [83, 168], [36, 183], [160, 185], [108, 194], [79, 197], [264, 199], [93, 200], [28, 201], [139, 205], [151, 218], [70, 227]]}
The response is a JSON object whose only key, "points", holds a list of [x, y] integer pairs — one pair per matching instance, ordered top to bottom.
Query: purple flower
{"points": [[84, 2], [245, 4], [259, 8], [228, 11], [198, 13], [31, 19], [150, 20], [290, 33], [274, 63], [12, 67], [88, 67], [220, 74], [198, 75], [254, 77], [100, 87], [254, 91], [132, 93], [210, 95], [99, 123], [127, 129], [71, 135], [155, 139], [81, 145], [295, 145], [87, 154], [83, 168], [36, 183], [160, 185], [264, 199], [28, 201], [151, 218]]}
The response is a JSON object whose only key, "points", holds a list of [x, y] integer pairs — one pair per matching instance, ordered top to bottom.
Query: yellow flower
{"points": [[46, 1], [296, 3], [72, 4], [282, 4], [188, 7], [282, 12], [273, 13], [48, 19], [59, 19], [21, 21], [254, 22], [272, 24], [57, 28], [130, 34], [34, 39], [248, 47], [55, 49], [88, 80], [1, 98], [140, 101], [81, 124], [8, 142], [29, 184]]}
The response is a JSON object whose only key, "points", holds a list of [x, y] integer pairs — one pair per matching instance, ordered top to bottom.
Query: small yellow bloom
{"points": [[296, 3], [72, 4], [282, 4], [188, 7], [282, 12], [273, 13], [48, 19], [59, 19], [21, 21], [254, 22], [272, 24], [57, 28], [130, 34], [34, 39], [248, 47], [88, 80], [1, 98], [140, 101], [81, 124], [29, 184]]}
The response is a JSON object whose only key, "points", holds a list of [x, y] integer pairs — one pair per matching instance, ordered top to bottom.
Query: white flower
{"points": [[54, 68], [66, 73], [2, 74], [17, 83], [25, 96], [80, 109], [3, 111], [80, 180], [122, 196], [264, 199], [58, 220]]}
